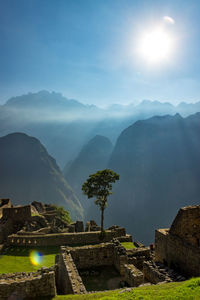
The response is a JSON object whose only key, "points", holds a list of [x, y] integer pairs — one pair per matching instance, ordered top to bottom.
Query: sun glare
{"points": [[155, 46]]}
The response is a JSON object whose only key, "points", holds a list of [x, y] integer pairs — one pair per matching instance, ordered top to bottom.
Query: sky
{"points": [[88, 50]]}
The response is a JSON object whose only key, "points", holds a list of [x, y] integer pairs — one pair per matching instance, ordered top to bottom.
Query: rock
{"points": [[87, 226], [79, 227], [71, 228]]}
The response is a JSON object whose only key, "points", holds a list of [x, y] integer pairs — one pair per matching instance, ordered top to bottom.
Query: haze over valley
{"points": [[154, 147]]}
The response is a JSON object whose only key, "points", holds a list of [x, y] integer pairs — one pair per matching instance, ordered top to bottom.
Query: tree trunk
{"points": [[102, 219]]}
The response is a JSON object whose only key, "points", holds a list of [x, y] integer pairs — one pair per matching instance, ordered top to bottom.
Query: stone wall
{"points": [[17, 214], [12, 216], [186, 225], [6, 228], [126, 238], [61, 239], [161, 240], [145, 251], [177, 253], [93, 256], [137, 256], [85, 257], [120, 259], [156, 272], [152, 274], [132, 275], [69, 281], [24, 285]]}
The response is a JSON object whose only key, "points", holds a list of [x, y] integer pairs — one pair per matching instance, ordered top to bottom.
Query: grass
{"points": [[128, 245], [17, 259], [187, 290]]}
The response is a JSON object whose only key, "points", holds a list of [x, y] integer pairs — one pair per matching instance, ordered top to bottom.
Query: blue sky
{"points": [[85, 49]]}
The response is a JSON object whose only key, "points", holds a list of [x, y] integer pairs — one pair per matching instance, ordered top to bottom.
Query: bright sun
{"points": [[155, 46]]}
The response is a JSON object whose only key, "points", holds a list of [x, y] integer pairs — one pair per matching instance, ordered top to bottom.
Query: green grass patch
{"points": [[128, 245], [17, 259], [187, 290]]}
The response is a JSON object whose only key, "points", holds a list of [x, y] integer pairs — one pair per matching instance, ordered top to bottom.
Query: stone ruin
{"points": [[36, 219], [41, 225], [179, 246], [176, 256], [73, 260], [31, 284]]}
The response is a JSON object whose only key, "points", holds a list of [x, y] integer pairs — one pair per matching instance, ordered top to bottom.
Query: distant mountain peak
{"points": [[177, 115]]}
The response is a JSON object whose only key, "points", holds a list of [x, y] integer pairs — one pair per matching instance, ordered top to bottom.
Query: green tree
{"points": [[99, 185], [62, 213]]}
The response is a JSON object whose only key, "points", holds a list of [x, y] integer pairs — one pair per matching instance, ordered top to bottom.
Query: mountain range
{"points": [[64, 125], [153, 148]]}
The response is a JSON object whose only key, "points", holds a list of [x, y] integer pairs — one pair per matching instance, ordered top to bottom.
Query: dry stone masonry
{"points": [[59, 239], [177, 248], [74, 259], [69, 281], [28, 285]]}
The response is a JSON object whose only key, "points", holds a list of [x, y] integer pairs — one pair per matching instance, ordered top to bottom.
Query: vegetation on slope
{"points": [[62, 213]]}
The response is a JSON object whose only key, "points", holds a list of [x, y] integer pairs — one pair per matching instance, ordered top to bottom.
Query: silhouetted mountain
{"points": [[55, 120], [65, 125], [93, 157], [159, 165], [29, 173]]}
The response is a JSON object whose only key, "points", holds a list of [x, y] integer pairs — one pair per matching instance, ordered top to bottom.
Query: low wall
{"points": [[61, 239], [139, 252], [177, 253], [93, 256], [138, 256], [72, 259], [137, 261], [152, 274], [132, 275], [69, 281], [27, 285]]}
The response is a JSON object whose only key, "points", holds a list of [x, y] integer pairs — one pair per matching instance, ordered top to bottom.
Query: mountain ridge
{"points": [[57, 121], [158, 160], [29, 173]]}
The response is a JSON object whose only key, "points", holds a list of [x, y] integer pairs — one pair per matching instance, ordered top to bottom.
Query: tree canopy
{"points": [[99, 185]]}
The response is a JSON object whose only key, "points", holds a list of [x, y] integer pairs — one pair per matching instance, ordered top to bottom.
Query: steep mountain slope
{"points": [[55, 120], [65, 125], [94, 156], [159, 165], [29, 173]]}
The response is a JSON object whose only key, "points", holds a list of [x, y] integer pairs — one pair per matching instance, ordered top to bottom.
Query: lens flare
{"points": [[168, 20], [35, 257]]}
